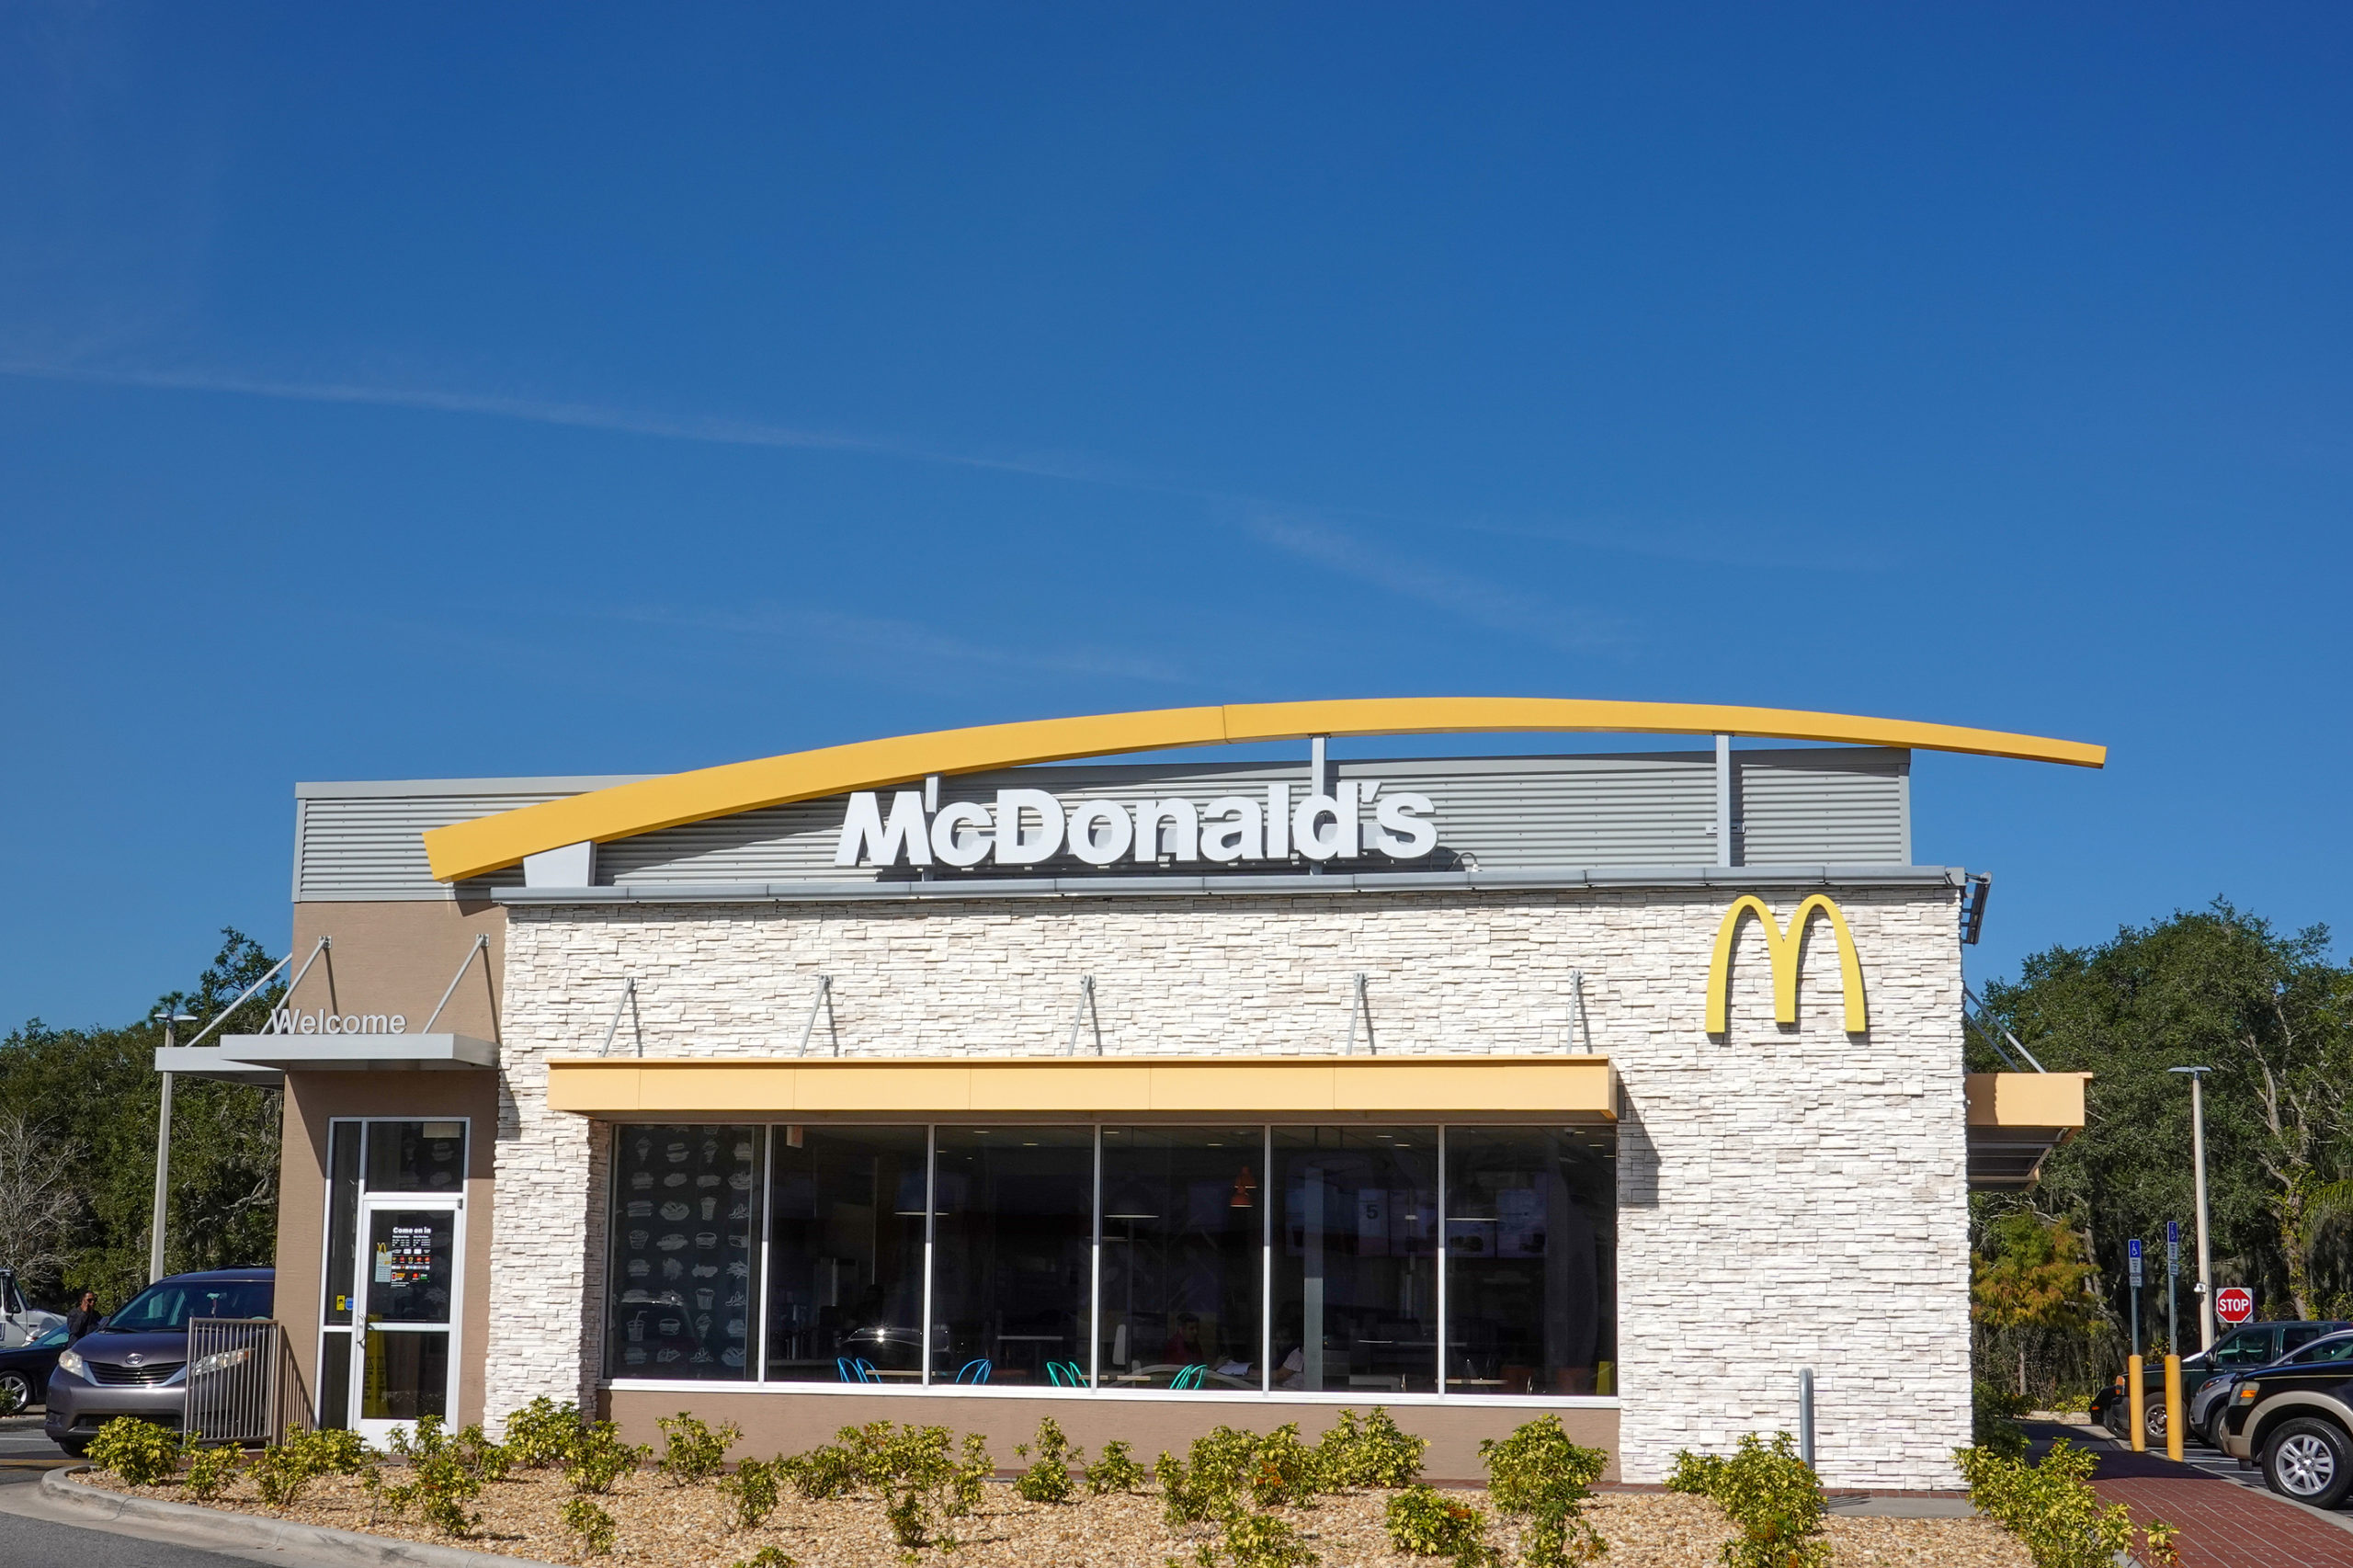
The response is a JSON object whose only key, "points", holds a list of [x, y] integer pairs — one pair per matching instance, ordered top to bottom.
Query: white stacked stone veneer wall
{"points": [[1788, 1198]]}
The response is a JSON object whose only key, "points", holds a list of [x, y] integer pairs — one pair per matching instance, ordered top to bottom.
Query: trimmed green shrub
{"points": [[1991, 1426], [542, 1433], [141, 1452], [693, 1452], [1370, 1452], [599, 1458], [489, 1461], [1115, 1469], [829, 1470], [210, 1471], [914, 1471], [282, 1472], [973, 1473], [1537, 1475], [442, 1477], [1048, 1478], [753, 1491], [1771, 1495], [1186, 1499], [2050, 1506], [590, 1523], [1427, 1523], [1260, 1541], [770, 1557]]}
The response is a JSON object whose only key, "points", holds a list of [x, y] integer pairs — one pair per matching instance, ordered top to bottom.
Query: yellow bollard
{"points": [[2140, 1407], [2173, 1408]]}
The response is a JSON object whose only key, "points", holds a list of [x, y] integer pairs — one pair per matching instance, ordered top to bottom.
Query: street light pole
{"points": [[2196, 1076], [162, 1154]]}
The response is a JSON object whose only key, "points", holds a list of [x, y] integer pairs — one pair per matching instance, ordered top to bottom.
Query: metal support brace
{"points": [[1724, 856], [1973, 908], [482, 945], [1970, 997], [824, 998], [1361, 1007], [1087, 1010], [222, 1015], [636, 1025], [1580, 1037]]}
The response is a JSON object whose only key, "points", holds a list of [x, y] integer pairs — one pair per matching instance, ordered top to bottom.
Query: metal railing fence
{"points": [[242, 1384]]}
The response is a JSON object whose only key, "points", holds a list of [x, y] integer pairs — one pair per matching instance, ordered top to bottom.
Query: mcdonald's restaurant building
{"points": [[971, 1078]]}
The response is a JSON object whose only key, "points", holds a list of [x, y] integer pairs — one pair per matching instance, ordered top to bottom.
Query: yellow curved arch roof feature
{"points": [[486, 843]]}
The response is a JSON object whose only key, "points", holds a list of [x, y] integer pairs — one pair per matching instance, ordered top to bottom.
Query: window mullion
{"points": [[1442, 1198], [930, 1216], [1266, 1263], [1095, 1265], [758, 1315]]}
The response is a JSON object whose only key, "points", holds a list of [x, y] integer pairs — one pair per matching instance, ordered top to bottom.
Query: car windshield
{"points": [[166, 1306], [2337, 1349]]}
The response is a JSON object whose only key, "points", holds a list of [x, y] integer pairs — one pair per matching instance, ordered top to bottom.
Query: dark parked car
{"points": [[2242, 1349], [136, 1362], [24, 1372], [2295, 1421]]}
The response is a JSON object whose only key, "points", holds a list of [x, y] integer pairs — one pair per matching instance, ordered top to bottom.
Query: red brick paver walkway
{"points": [[2224, 1525]]}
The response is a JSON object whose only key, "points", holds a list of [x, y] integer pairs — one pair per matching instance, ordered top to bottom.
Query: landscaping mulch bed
{"points": [[665, 1526]]}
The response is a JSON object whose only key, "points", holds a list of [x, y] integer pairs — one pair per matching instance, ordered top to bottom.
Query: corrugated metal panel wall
{"points": [[1834, 806], [1839, 808], [359, 842]]}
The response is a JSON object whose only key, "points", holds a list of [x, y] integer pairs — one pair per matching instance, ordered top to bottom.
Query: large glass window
{"points": [[417, 1156], [1184, 1241], [846, 1254], [1290, 1259], [1531, 1260], [1012, 1264], [1356, 1269], [682, 1278]]}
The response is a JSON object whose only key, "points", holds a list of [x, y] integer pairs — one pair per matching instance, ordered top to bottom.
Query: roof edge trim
{"points": [[647, 805]]}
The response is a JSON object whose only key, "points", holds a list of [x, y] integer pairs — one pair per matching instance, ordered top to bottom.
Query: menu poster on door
{"points": [[408, 1258]]}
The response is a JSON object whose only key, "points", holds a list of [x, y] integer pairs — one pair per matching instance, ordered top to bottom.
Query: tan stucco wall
{"points": [[398, 958], [312, 1099], [780, 1423]]}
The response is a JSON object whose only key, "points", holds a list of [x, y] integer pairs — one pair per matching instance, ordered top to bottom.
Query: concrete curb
{"points": [[190, 1526]]}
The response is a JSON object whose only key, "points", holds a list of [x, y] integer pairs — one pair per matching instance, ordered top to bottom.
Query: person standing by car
{"points": [[84, 1316]]}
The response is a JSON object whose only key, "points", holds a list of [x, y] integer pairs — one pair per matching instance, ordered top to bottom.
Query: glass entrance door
{"points": [[406, 1358]]}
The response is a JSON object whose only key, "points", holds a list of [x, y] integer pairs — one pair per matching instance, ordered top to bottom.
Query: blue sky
{"points": [[433, 391]]}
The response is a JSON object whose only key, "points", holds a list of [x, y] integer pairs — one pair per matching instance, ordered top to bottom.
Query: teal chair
{"points": [[1189, 1377]]}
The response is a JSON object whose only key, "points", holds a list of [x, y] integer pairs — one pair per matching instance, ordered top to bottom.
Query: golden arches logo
{"points": [[1784, 948]]}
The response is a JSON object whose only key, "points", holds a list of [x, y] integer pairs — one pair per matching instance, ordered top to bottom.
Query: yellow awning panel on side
{"points": [[647, 805], [1581, 1087], [2015, 1120]]}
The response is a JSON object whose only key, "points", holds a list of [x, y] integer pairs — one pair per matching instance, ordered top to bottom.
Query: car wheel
{"points": [[16, 1391], [2153, 1422], [2310, 1461]]}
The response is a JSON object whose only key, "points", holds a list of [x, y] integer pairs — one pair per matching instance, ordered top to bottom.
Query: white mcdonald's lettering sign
{"points": [[1027, 826]]}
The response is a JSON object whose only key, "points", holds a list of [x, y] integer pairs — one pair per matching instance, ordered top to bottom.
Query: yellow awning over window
{"points": [[1420, 1086]]}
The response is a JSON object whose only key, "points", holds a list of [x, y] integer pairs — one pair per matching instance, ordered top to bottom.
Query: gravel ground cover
{"points": [[665, 1526]]}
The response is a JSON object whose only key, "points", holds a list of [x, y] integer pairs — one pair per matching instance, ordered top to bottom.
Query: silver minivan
{"points": [[135, 1361]]}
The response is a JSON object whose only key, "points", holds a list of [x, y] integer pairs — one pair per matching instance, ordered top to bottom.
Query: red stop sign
{"points": [[2234, 1305]]}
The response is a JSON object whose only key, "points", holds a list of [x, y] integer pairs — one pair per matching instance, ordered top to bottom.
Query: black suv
{"points": [[2243, 1349], [2296, 1421]]}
